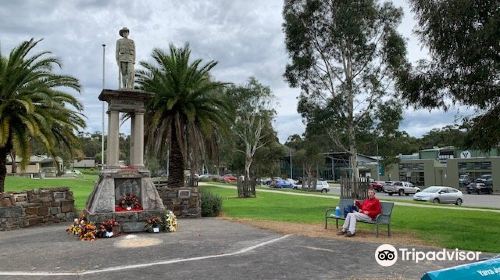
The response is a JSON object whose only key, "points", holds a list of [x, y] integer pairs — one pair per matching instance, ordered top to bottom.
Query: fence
{"points": [[246, 188], [353, 189]]}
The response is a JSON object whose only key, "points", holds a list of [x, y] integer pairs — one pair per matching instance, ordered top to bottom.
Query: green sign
{"points": [[381, 170]]}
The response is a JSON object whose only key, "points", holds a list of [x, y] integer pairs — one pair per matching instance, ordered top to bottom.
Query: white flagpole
{"points": [[103, 110]]}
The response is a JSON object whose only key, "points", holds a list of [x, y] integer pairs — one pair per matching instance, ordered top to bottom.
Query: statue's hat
{"points": [[124, 29]]}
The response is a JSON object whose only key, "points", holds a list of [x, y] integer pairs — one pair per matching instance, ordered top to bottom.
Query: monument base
{"points": [[116, 183], [185, 202]]}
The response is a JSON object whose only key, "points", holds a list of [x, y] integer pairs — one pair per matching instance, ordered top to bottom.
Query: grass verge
{"points": [[467, 230]]}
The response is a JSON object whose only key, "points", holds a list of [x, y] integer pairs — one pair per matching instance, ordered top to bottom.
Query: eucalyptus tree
{"points": [[343, 53], [463, 65], [34, 106], [254, 111], [187, 112], [309, 152]]}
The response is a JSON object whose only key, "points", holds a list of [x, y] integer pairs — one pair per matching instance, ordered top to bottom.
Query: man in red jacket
{"points": [[368, 211]]}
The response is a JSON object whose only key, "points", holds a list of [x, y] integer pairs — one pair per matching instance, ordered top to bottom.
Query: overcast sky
{"points": [[245, 37]]}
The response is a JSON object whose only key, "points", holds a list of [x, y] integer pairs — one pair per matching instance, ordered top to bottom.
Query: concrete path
{"points": [[402, 203], [205, 248]]}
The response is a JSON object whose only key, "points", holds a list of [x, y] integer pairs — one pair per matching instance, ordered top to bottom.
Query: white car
{"points": [[321, 186], [401, 188], [440, 194]]}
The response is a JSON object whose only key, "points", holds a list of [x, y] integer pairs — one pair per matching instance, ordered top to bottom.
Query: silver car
{"points": [[440, 194]]}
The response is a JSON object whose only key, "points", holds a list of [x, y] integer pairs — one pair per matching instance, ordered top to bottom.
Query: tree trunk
{"points": [[351, 133], [176, 162], [248, 163], [14, 164], [3, 168]]}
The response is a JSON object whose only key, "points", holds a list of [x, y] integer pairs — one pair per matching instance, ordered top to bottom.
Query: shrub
{"points": [[211, 204]]}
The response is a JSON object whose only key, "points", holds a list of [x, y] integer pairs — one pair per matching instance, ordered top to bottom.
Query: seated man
{"points": [[368, 210]]}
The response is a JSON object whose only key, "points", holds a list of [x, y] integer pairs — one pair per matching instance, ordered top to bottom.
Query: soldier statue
{"points": [[125, 57]]}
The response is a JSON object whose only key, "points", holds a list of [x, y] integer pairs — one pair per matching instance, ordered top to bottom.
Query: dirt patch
{"points": [[318, 230], [133, 241]]}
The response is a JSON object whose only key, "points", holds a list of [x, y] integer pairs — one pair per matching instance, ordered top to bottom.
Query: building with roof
{"points": [[38, 166], [445, 166]]}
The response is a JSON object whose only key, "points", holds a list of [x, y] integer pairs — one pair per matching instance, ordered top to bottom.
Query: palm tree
{"points": [[34, 106], [187, 110]]}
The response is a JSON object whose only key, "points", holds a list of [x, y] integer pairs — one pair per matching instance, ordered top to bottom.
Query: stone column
{"points": [[138, 138], [132, 140], [113, 151]]}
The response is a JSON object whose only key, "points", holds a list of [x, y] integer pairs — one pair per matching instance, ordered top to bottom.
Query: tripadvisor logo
{"points": [[387, 255]]}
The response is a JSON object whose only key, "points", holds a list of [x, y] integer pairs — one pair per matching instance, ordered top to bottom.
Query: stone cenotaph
{"points": [[125, 193]]}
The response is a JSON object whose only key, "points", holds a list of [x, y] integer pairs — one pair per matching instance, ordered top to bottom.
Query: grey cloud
{"points": [[245, 37]]}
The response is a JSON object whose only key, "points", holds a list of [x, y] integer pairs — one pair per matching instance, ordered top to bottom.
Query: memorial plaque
{"points": [[127, 186], [184, 194]]}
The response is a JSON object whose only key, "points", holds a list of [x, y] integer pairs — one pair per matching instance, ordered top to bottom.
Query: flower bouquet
{"points": [[128, 202], [170, 221], [153, 224], [74, 228], [107, 228], [84, 229], [88, 232]]}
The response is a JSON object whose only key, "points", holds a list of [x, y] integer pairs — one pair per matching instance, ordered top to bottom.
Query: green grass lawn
{"points": [[81, 186], [468, 230]]}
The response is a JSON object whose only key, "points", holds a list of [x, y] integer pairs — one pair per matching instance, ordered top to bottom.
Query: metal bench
{"points": [[383, 218]]}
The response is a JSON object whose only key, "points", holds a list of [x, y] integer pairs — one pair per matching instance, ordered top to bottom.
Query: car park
{"points": [[401, 188], [479, 188], [440, 194]]}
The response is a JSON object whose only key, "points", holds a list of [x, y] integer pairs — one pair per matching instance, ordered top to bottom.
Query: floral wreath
{"points": [[129, 200]]}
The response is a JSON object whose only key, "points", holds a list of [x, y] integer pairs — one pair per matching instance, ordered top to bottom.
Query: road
{"points": [[470, 200], [473, 202]]}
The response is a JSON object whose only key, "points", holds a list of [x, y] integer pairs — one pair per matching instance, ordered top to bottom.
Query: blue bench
{"points": [[383, 218]]}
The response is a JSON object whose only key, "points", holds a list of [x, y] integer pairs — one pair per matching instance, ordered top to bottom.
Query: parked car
{"points": [[72, 173], [210, 178], [228, 178], [486, 179], [464, 180], [264, 181], [292, 181], [283, 184], [321, 186], [377, 186], [401, 188], [479, 188], [440, 194]]}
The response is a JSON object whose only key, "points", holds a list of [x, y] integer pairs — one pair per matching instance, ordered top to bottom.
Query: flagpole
{"points": [[103, 109]]}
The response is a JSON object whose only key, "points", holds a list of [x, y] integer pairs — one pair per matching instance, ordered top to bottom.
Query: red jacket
{"points": [[372, 206]]}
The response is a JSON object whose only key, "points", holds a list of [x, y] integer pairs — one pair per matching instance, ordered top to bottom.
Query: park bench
{"points": [[383, 218]]}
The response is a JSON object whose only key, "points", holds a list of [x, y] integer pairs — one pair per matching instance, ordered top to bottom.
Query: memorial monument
{"points": [[125, 193]]}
